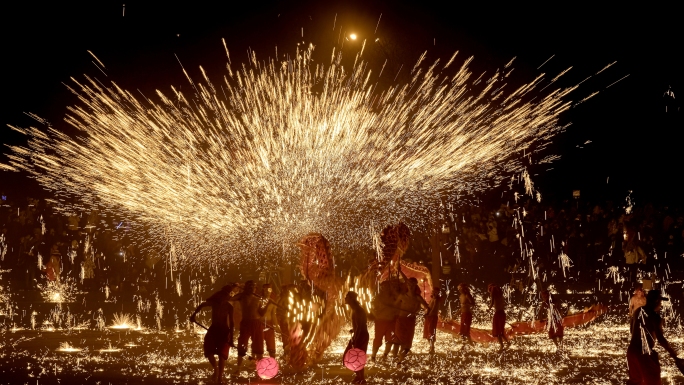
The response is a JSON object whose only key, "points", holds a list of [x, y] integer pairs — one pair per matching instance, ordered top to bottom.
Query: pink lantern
{"points": [[355, 359], [267, 368]]}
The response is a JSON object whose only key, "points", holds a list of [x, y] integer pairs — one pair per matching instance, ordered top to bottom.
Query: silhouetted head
{"points": [[229, 287], [249, 287], [494, 290], [436, 291], [351, 298], [654, 300]]}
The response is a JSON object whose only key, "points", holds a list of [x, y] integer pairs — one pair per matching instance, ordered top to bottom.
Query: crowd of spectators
{"points": [[572, 240], [42, 245]]}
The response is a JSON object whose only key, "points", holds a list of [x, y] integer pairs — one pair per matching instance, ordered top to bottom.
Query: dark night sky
{"points": [[633, 141]]}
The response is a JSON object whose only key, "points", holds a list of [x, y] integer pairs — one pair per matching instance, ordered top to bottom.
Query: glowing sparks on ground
{"points": [[59, 291], [122, 321], [67, 348], [109, 349]]}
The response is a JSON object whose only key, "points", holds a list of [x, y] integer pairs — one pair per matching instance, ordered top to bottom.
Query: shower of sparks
{"points": [[278, 149], [3, 247], [564, 262], [614, 273], [59, 291], [7, 310], [122, 321], [67, 348], [109, 349], [594, 353]]}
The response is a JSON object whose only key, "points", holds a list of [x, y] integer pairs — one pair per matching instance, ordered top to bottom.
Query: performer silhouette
{"points": [[409, 302], [467, 303], [550, 308], [386, 314], [431, 318], [499, 319], [251, 325], [359, 331], [219, 337], [642, 360]]}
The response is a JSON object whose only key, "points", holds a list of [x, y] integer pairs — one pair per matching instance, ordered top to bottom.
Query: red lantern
{"points": [[355, 359], [267, 368]]}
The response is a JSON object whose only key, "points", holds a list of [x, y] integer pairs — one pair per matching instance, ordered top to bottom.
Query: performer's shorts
{"points": [[466, 321], [499, 323], [430, 327], [383, 328], [254, 329], [556, 330], [404, 331], [269, 337], [217, 341], [358, 341], [644, 369]]}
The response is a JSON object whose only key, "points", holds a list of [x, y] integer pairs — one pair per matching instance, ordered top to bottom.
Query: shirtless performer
{"points": [[638, 300], [409, 303], [467, 303], [385, 317], [431, 318], [270, 320], [499, 320], [251, 325], [359, 332], [219, 337], [642, 360]]}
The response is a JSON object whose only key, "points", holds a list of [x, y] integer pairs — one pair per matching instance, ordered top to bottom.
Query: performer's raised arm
{"points": [[401, 272], [193, 317], [219, 337]]}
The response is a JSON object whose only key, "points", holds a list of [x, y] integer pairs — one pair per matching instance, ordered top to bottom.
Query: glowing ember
{"points": [[59, 291], [122, 321], [67, 348], [109, 349]]}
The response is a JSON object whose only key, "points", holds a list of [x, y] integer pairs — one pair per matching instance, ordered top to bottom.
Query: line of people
{"points": [[396, 305], [395, 309], [394, 312], [262, 316]]}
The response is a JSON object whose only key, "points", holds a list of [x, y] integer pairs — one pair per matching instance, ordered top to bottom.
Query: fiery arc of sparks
{"points": [[279, 149]]}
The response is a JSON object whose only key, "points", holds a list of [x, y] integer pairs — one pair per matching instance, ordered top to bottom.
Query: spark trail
{"points": [[280, 149]]}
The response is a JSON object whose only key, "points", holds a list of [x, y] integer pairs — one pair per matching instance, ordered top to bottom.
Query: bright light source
{"points": [[352, 36]]}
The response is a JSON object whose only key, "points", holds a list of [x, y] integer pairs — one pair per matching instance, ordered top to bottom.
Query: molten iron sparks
{"points": [[278, 149]]}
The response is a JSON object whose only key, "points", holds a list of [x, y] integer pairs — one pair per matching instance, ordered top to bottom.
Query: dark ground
{"points": [[595, 353]]}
